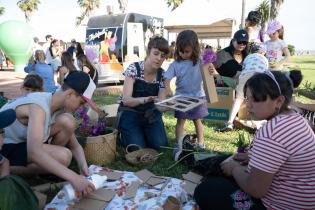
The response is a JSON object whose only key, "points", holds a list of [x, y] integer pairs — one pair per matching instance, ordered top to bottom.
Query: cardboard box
{"points": [[220, 111], [42, 198]]}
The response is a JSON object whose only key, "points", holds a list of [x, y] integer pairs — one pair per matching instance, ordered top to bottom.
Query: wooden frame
{"points": [[181, 103]]}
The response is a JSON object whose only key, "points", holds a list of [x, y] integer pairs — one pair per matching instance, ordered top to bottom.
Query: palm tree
{"points": [[174, 3], [88, 6], [28, 7], [275, 7], [263, 8], [2, 10], [243, 14]]}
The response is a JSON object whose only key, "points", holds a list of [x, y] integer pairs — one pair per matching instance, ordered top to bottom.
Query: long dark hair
{"points": [[187, 38], [51, 45], [78, 49], [66, 60], [262, 85]]}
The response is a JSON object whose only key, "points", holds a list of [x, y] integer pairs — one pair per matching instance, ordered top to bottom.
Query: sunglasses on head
{"points": [[242, 42]]}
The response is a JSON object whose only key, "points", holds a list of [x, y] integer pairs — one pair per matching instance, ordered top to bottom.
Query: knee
{"points": [[66, 122], [65, 156]]}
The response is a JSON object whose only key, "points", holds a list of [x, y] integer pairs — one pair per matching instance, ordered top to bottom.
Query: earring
{"points": [[277, 111]]}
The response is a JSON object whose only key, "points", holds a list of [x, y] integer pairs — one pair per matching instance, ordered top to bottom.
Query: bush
{"points": [[291, 49]]}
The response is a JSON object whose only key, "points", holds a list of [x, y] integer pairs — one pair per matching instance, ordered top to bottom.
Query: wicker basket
{"points": [[100, 150], [141, 156]]}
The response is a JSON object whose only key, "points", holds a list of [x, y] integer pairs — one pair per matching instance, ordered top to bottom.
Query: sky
{"points": [[57, 17]]}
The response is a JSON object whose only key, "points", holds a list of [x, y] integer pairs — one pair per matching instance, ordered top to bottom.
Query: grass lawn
{"points": [[306, 64], [223, 142]]}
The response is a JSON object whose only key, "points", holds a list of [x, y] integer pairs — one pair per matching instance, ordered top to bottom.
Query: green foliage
{"points": [[174, 3], [28, 7], [88, 7], [263, 8], [2, 10], [291, 49], [308, 86], [243, 140]]}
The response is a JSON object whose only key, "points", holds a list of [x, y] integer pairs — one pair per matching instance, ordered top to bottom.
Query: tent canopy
{"points": [[210, 19], [220, 29]]}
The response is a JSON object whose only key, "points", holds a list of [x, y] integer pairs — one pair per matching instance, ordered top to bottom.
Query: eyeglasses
{"points": [[242, 42]]}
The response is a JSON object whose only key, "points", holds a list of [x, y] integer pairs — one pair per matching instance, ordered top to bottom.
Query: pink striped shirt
{"points": [[285, 147]]}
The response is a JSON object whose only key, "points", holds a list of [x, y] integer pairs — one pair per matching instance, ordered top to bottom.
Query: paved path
{"points": [[10, 83]]}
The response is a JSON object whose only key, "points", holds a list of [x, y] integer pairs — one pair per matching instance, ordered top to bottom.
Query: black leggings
{"points": [[219, 193]]}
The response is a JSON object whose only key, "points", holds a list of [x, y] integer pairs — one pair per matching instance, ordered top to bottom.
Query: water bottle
{"points": [[70, 194]]}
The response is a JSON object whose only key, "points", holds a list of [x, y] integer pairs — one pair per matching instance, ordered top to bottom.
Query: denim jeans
{"points": [[135, 129]]}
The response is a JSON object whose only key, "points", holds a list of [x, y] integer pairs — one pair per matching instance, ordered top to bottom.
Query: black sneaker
{"points": [[186, 148]]}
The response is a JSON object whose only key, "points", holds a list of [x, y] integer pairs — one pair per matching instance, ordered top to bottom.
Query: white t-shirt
{"points": [[255, 35], [274, 51], [285, 147]]}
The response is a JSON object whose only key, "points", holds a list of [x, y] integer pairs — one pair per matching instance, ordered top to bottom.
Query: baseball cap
{"points": [[273, 26], [241, 36], [73, 41], [82, 83], [7, 117]]}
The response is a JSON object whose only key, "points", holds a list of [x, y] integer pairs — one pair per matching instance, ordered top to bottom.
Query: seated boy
{"points": [[36, 142]]}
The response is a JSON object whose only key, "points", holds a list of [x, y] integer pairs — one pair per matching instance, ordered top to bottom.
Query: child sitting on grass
{"points": [[32, 83]]}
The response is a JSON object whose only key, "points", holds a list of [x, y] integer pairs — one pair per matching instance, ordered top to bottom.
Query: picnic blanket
{"points": [[146, 197]]}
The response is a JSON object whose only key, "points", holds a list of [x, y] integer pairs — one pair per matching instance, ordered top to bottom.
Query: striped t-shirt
{"points": [[285, 147]]}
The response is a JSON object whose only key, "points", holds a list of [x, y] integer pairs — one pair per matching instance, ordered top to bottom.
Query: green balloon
{"points": [[16, 40]]}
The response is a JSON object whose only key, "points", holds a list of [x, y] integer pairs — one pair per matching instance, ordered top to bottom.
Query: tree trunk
{"points": [[243, 14]]}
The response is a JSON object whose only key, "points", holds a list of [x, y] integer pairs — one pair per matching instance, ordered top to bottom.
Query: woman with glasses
{"points": [[230, 59]]}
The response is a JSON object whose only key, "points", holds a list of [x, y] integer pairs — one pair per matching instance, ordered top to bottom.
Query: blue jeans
{"points": [[135, 129]]}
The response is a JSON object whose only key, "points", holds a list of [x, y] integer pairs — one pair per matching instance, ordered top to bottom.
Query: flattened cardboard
{"points": [[208, 84], [181, 103], [111, 175], [144, 175], [193, 177], [156, 180], [189, 187], [132, 189], [102, 195], [41, 199], [89, 204]]}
